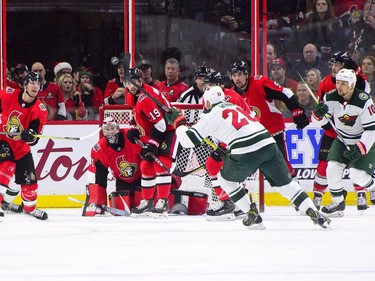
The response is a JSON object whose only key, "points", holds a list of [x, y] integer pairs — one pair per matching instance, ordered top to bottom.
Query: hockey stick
{"points": [[139, 88], [339, 136], [54, 137], [175, 172], [113, 211]]}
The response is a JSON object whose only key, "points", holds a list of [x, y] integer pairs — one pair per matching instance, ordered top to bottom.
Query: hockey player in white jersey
{"points": [[353, 114], [250, 147]]}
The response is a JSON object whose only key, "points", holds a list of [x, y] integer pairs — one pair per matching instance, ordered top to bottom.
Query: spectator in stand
{"points": [[234, 14], [323, 29], [362, 33], [271, 55], [310, 60], [62, 68], [368, 69], [146, 71], [19, 72], [278, 74], [75, 75], [313, 78], [172, 87], [114, 92], [50, 95], [91, 96], [304, 98], [75, 109]]}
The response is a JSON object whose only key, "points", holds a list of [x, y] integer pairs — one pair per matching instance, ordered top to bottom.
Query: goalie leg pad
{"points": [[95, 194], [118, 199], [196, 201]]}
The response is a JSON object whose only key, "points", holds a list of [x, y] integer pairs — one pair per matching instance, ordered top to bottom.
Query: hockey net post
{"points": [[190, 158]]}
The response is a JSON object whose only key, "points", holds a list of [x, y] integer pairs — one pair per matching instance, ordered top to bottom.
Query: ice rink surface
{"points": [[69, 247]]}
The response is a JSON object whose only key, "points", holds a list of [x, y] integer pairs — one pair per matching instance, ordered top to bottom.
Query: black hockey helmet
{"points": [[344, 59], [239, 66], [202, 71], [135, 73], [31, 76], [214, 78]]}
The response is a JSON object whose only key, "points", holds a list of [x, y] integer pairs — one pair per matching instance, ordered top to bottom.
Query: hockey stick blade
{"points": [[54, 137], [183, 174], [113, 211]]}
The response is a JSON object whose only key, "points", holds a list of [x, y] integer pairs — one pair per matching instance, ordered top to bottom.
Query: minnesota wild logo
{"points": [[348, 120]]}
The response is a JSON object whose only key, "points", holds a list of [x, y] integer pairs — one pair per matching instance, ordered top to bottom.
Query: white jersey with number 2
{"points": [[230, 124]]}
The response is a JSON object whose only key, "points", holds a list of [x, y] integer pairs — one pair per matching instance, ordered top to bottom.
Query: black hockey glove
{"points": [[320, 110], [300, 118], [132, 134], [27, 135], [150, 147], [355, 152], [219, 153]]}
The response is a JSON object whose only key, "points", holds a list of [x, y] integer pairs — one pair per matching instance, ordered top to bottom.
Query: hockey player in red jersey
{"points": [[338, 61], [260, 94], [24, 115], [158, 138], [115, 153]]}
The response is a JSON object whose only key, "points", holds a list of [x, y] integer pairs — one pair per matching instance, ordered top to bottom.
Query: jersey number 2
{"points": [[239, 117]]}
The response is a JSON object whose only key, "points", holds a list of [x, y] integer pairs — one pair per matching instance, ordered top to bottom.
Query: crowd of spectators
{"points": [[301, 40]]}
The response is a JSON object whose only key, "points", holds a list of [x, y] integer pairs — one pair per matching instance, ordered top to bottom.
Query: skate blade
{"points": [[337, 214], [143, 215], [159, 216], [225, 217], [258, 226]]}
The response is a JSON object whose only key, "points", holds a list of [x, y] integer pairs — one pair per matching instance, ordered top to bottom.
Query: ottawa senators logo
{"points": [[50, 110], [256, 110], [348, 120], [13, 125], [127, 170]]}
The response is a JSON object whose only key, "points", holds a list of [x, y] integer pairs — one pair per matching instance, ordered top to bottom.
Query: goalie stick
{"points": [[339, 136], [54, 137], [175, 172], [113, 211]]}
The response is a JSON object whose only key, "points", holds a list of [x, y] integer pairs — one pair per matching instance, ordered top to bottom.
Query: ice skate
{"points": [[372, 196], [317, 199], [361, 201], [11, 207], [144, 209], [161, 209], [334, 209], [222, 212], [238, 213], [39, 214], [1, 216], [318, 218], [253, 219]]}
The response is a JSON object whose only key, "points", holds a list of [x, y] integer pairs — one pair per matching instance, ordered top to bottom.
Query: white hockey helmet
{"points": [[347, 75], [213, 95], [110, 129]]}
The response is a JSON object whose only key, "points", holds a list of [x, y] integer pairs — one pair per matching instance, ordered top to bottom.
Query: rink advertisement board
{"points": [[61, 165]]}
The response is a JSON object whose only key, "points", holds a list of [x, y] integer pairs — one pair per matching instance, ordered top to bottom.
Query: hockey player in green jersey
{"points": [[353, 114], [250, 147]]}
